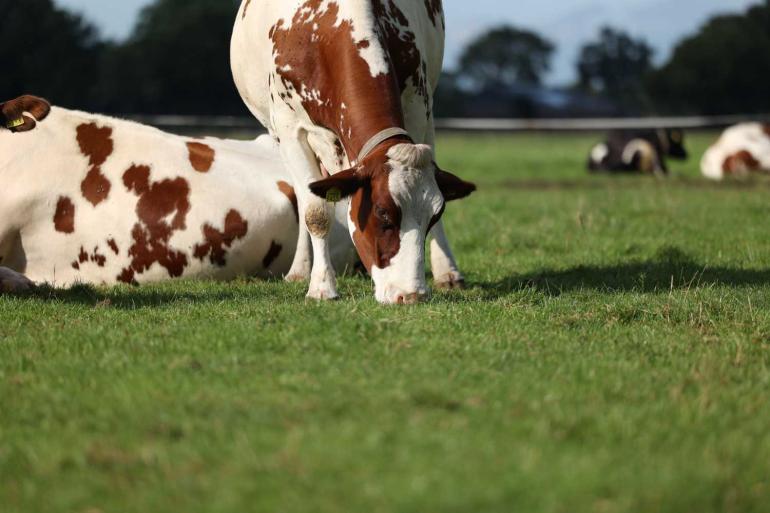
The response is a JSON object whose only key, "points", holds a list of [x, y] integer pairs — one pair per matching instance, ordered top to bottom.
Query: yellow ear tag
{"points": [[15, 123], [334, 195]]}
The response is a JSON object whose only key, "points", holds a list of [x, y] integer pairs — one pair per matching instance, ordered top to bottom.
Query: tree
{"points": [[48, 52], [505, 56], [177, 60], [615, 66], [725, 68]]}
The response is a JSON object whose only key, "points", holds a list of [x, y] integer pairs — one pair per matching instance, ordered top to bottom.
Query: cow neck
{"points": [[372, 104]]}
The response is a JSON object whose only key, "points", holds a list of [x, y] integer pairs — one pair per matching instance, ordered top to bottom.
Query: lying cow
{"points": [[348, 85], [642, 151], [740, 151], [97, 200]]}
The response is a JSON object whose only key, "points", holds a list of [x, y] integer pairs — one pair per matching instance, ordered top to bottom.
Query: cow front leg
{"points": [[316, 215], [319, 216], [446, 274], [13, 282]]}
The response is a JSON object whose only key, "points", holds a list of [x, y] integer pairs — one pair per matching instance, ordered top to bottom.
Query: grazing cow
{"points": [[347, 85], [645, 151], [740, 151], [97, 200]]}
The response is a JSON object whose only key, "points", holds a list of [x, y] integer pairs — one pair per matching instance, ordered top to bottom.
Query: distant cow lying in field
{"points": [[641, 151], [740, 151], [97, 200]]}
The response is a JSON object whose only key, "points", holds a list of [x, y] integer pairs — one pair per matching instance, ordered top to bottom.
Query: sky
{"points": [[568, 23]]}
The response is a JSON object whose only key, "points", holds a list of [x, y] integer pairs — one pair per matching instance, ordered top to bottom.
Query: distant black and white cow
{"points": [[637, 151], [740, 151], [98, 200]]}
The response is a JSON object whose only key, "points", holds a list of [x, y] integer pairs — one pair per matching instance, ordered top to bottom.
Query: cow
{"points": [[347, 86], [741, 150], [637, 151], [97, 200]]}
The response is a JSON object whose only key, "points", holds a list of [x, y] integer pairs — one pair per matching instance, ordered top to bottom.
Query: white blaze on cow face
{"points": [[412, 185]]}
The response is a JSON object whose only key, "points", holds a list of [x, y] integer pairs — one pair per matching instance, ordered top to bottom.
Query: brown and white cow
{"points": [[347, 85], [741, 150], [97, 200]]}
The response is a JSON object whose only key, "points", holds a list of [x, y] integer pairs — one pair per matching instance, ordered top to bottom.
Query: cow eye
{"points": [[383, 216]]}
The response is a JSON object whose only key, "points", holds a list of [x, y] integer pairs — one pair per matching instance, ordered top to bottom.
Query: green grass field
{"points": [[612, 354]]}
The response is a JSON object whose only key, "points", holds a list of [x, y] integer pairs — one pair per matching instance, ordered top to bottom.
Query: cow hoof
{"points": [[452, 281], [12, 282], [323, 292], [323, 295]]}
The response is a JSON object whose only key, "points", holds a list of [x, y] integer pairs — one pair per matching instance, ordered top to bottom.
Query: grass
{"points": [[612, 354]]}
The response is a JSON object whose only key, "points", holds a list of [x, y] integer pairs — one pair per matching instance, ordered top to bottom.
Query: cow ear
{"points": [[13, 113], [339, 186], [452, 187]]}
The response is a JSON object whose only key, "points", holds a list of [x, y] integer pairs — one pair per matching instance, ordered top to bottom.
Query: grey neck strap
{"points": [[378, 139]]}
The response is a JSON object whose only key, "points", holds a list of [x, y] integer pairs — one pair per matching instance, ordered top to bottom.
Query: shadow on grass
{"points": [[669, 269], [131, 298]]}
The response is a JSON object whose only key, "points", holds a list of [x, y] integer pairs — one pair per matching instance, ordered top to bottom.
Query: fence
{"points": [[231, 124]]}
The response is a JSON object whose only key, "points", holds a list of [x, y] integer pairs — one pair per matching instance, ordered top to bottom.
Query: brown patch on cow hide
{"points": [[245, 8], [435, 11], [401, 43], [303, 52], [766, 129], [96, 144], [339, 151], [201, 156], [740, 163], [291, 194], [162, 210], [64, 217], [377, 219], [217, 242], [113, 246], [272, 254], [84, 257], [98, 258]]}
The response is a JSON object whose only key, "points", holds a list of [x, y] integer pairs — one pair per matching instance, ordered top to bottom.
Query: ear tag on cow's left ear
{"points": [[15, 123], [334, 195]]}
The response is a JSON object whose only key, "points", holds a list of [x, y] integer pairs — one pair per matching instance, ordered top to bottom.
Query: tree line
{"points": [[176, 61]]}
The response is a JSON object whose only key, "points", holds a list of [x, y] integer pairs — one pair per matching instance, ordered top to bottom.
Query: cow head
{"points": [[14, 112], [673, 142], [397, 194]]}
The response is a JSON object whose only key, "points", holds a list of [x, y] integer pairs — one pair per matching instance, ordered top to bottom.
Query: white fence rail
{"points": [[233, 124]]}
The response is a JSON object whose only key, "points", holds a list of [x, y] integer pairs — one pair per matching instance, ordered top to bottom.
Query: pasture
{"points": [[611, 354]]}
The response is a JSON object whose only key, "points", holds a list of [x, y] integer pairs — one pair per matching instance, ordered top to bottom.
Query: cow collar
{"points": [[378, 139]]}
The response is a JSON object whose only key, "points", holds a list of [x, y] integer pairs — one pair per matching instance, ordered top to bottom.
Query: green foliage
{"points": [[48, 51], [505, 56], [176, 61], [615, 66], [723, 69], [611, 354]]}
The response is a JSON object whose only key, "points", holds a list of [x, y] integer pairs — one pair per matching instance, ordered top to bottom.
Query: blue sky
{"points": [[568, 23]]}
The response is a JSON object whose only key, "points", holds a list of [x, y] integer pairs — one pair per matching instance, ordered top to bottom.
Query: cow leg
{"points": [[316, 213], [301, 265], [446, 274], [12, 282]]}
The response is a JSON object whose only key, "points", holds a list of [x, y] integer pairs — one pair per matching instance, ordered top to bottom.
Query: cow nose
{"points": [[412, 299]]}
